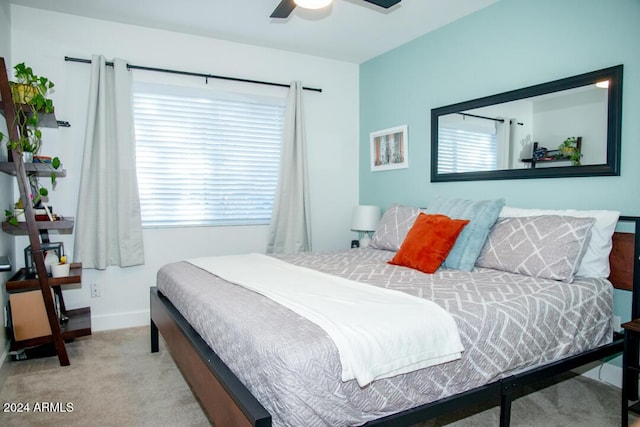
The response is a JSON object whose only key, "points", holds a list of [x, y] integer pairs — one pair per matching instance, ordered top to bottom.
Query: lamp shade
{"points": [[365, 218]]}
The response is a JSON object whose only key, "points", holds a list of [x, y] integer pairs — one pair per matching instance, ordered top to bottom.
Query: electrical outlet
{"points": [[95, 290]]}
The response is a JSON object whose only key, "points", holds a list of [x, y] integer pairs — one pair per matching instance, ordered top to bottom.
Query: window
{"points": [[466, 150], [206, 158]]}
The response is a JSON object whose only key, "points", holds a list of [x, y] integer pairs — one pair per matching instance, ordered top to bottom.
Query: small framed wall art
{"points": [[389, 149]]}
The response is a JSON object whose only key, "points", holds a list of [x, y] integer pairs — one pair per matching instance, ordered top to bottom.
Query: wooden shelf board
{"points": [[47, 120], [564, 159], [40, 169], [63, 225], [5, 264], [21, 281], [79, 325]]}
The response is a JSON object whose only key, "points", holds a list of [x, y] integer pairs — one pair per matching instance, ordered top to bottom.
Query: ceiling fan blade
{"points": [[384, 3], [284, 9]]}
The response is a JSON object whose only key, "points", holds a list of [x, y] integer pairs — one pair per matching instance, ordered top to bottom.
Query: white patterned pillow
{"points": [[393, 227], [548, 246], [595, 262]]}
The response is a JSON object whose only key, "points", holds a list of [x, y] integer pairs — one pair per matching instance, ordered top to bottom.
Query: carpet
{"points": [[114, 380]]}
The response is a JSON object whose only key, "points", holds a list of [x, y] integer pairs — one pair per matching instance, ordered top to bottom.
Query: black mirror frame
{"points": [[614, 125]]}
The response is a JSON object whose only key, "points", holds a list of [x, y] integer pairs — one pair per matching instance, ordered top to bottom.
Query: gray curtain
{"points": [[108, 224], [290, 229]]}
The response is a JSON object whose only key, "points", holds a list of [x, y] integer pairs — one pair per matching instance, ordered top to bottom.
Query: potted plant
{"points": [[31, 89], [30, 98], [29, 145], [569, 149]]}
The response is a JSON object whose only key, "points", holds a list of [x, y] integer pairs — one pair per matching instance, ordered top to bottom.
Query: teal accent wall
{"points": [[508, 45]]}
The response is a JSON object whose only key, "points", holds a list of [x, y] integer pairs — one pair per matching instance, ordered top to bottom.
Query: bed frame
{"points": [[227, 402]]}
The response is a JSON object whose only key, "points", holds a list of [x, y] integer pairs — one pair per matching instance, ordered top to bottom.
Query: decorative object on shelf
{"points": [[389, 149], [570, 149], [539, 153], [42, 159], [42, 211], [14, 217], [365, 219], [53, 251], [50, 258], [60, 270]]}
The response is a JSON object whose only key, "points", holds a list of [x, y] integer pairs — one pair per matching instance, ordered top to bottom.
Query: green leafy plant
{"points": [[31, 89], [30, 98], [569, 149], [11, 218]]}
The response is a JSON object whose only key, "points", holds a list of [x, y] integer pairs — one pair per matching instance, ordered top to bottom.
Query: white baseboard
{"points": [[130, 319], [607, 373]]}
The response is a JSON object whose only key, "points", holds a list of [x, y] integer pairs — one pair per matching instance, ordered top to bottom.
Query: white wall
{"points": [[574, 115], [332, 131]]}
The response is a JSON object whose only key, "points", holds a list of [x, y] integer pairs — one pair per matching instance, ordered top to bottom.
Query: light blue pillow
{"points": [[482, 214]]}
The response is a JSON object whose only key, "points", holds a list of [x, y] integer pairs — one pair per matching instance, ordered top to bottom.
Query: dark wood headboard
{"points": [[621, 260], [625, 262]]}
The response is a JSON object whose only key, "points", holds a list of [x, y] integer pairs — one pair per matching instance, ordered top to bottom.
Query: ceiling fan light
{"points": [[312, 4]]}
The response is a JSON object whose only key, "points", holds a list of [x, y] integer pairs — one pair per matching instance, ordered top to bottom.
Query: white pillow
{"points": [[595, 262]]}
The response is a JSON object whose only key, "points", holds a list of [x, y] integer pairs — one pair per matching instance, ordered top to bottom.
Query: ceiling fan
{"points": [[284, 9]]}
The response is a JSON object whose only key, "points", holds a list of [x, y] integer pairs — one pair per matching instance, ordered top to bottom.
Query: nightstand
{"points": [[630, 369]]}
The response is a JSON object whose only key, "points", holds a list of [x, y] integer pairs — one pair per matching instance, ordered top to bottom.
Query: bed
{"points": [[246, 369]]}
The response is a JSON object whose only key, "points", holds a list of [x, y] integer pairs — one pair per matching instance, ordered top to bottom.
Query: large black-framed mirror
{"points": [[523, 133]]}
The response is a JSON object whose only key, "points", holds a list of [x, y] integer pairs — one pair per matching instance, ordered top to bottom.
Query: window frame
{"points": [[196, 94]]}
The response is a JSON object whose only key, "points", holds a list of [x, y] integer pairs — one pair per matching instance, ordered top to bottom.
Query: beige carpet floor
{"points": [[114, 380]]}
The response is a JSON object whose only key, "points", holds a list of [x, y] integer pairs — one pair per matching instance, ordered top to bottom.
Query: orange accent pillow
{"points": [[428, 242]]}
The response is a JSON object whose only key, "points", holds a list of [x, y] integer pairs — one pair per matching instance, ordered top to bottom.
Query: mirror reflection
{"points": [[568, 127]]}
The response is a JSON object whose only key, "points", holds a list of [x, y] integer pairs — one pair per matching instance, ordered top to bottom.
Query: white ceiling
{"points": [[349, 30]]}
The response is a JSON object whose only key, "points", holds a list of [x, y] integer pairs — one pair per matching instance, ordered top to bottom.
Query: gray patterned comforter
{"points": [[507, 323]]}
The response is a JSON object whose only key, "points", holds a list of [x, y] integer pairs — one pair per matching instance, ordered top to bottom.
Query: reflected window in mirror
{"points": [[568, 127], [467, 145]]}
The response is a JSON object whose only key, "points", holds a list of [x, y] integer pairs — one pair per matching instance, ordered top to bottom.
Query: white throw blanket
{"points": [[379, 332]]}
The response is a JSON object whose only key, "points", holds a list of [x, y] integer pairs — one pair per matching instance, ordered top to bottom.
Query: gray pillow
{"points": [[482, 215], [393, 227], [547, 246]]}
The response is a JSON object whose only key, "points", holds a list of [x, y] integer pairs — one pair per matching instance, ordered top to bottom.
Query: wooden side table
{"points": [[630, 369]]}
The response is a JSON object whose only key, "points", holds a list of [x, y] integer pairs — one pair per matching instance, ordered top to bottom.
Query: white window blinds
{"points": [[466, 151], [206, 158]]}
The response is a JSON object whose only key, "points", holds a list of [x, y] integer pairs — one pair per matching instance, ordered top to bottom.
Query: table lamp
{"points": [[365, 219]]}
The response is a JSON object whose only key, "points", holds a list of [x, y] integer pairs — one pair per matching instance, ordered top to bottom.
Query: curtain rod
{"points": [[189, 73], [482, 117], [489, 118]]}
